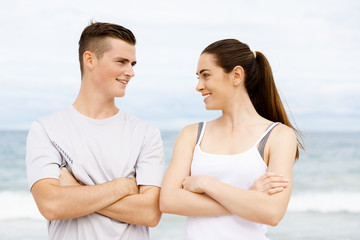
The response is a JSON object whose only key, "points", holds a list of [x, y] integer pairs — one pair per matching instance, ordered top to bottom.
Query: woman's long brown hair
{"points": [[259, 80]]}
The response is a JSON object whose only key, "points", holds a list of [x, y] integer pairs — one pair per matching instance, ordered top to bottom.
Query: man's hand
{"points": [[67, 179], [127, 185]]}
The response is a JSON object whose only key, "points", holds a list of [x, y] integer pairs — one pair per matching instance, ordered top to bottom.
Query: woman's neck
{"points": [[239, 113]]}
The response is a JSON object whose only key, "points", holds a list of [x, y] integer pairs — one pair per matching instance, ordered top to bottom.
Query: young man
{"points": [[116, 158]]}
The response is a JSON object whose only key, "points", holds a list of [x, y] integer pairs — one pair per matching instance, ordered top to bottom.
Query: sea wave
{"points": [[326, 202], [18, 205], [21, 205]]}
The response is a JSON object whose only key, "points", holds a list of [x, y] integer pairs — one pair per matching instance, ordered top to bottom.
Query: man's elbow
{"points": [[48, 199], [51, 208], [49, 211], [50, 216], [152, 217], [154, 220]]}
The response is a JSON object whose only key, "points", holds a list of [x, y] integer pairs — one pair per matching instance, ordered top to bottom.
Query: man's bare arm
{"points": [[56, 201], [139, 209]]}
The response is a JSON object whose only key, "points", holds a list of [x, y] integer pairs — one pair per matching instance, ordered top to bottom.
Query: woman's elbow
{"points": [[171, 202], [165, 204], [163, 207], [271, 217], [274, 218], [273, 222]]}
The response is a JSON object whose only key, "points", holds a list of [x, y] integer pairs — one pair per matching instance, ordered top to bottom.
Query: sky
{"points": [[312, 46]]}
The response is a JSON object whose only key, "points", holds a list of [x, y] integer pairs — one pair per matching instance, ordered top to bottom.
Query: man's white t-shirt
{"points": [[95, 151]]}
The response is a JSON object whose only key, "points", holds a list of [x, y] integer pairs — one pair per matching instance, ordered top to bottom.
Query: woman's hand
{"points": [[270, 183], [196, 184]]}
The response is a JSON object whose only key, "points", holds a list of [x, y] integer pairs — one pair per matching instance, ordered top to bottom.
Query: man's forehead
{"points": [[122, 49]]}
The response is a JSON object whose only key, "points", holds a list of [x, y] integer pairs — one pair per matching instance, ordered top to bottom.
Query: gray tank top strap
{"points": [[201, 124], [265, 138]]}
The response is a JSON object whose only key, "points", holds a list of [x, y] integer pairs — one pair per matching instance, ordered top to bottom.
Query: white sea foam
{"points": [[327, 202], [18, 205], [21, 205]]}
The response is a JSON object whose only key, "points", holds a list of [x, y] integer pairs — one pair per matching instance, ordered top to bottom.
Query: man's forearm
{"points": [[64, 202], [139, 209]]}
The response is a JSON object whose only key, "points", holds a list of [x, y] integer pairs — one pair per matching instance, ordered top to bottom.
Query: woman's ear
{"points": [[89, 60], [238, 75]]}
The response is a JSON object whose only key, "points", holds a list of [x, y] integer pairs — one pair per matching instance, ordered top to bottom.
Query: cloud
{"points": [[312, 47]]}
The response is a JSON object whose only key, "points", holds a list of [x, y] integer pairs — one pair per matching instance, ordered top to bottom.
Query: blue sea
{"points": [[325, 203]]}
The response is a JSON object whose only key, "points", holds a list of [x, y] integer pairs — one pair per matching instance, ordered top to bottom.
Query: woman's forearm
{"points": [[186, 203], [251, 205]]}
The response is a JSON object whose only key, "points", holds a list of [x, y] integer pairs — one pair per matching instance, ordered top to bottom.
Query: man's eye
{"points": [[205, 75]]}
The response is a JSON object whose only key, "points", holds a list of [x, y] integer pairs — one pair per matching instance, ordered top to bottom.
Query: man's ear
{"points": [[89, 60], [239, 75]]}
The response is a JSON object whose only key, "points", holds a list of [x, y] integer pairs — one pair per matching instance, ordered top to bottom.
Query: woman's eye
{"points": [[203, 76]]}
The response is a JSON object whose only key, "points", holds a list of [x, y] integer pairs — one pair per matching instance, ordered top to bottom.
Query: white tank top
{"points": [[239, 170]]}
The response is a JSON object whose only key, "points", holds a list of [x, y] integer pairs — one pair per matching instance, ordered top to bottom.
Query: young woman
{"points": [[216, 164]]}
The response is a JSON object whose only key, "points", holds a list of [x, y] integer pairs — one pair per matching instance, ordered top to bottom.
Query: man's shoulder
{"points": [[53, 115], [52, 119], [138, 122]]}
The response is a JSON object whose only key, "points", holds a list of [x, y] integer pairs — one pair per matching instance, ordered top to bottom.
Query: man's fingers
{"points": [[64, 170]]}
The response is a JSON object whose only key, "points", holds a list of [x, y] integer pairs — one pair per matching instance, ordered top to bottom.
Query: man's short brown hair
{"points": [[93, 38]]}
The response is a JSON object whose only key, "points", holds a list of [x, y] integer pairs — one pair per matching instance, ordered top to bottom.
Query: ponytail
{"points": [[259, 80], [267, 101]]}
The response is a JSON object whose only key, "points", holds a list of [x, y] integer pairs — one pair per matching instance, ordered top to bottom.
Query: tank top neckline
{"points": [[271, 126]]}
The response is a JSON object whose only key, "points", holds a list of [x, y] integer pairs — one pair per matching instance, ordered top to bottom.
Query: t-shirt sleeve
{"points": [[42, 158], [150, 165]]}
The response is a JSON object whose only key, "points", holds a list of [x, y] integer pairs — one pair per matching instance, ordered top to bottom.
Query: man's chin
{"points": [[120, 95]]}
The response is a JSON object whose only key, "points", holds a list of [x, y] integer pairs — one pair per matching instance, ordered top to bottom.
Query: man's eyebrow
{"points": [[122, 59], [125, 60], [202, 70]]}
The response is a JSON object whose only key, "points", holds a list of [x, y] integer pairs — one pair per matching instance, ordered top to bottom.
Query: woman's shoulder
{"points": [[190, 129], [282, 132], [189, 133]]}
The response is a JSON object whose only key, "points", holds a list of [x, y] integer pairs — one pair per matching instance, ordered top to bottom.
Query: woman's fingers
{"points": [[270, 183], [276, 185], [274, 190]]}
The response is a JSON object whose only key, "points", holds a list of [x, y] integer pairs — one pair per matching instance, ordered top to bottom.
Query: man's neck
{"points": [[94, 105]]}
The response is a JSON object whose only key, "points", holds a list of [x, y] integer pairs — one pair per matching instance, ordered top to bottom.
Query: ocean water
{"points": [[325, 204]]}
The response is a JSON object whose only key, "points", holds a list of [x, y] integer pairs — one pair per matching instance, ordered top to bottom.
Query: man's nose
{"points": [[130, 72]]}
